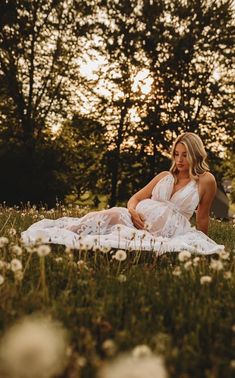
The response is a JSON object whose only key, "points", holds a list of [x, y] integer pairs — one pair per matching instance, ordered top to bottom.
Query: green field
{"points": [[160, 301]]}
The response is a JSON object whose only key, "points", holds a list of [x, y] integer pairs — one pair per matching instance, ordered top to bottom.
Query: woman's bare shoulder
{"points": [[163, 174], [207, 178], [207, 184]]}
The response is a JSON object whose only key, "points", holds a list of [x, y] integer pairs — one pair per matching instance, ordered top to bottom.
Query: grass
{"points": [[157, 301]]}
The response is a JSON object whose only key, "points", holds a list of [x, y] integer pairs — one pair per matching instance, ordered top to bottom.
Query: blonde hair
{"points": [[196, 155]]}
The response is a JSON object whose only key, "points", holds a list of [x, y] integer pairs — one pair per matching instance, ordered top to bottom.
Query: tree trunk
{"points": [[116, 161]]}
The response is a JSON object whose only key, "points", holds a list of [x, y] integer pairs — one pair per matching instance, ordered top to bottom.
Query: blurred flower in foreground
{"points": [[184, 256], [1, 279], [205, 279], [35, 347], [141, 351], [128, 366]]}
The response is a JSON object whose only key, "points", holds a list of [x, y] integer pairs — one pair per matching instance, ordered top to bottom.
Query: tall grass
{"points": [[158, 301]]}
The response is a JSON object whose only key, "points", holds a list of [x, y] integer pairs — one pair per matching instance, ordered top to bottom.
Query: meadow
{"points": [[177, 306]]}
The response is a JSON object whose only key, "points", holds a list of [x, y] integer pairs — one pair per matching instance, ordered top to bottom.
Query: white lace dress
{"points": [[167, 225]]}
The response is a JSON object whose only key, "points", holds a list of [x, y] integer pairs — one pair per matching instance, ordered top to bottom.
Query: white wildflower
{"points": [[12, 231], [3, 241], [96, 248], [31, 249], [105, 249], [17, 250], [43, 250], [68, 250], [120, 255], [224, 255], [184, 256], [58, 259], [196, 260], [2, 264], [82, 264], [188, 264], [15, 265], [216, 265], [176, 271], [19, 275], [227, 275], [121, 278], [1, 279], [205, 279], [34, 347], [109, 347], [141, 351], [81, 361], [232, 364], [127, 366]]}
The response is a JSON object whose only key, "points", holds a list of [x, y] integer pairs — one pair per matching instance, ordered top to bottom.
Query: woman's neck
{"points": [[183, 175]]}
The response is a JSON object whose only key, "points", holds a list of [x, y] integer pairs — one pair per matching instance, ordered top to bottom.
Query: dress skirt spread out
{"points": [[166, 219]]}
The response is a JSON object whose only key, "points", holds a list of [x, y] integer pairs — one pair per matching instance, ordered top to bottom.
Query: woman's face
{"points": [[180, 157]]}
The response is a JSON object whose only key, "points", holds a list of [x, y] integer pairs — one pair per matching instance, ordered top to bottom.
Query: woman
{"points": [[156, 217]]}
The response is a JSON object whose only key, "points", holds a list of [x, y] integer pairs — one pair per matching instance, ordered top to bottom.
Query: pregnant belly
{"points": [[161, 218]]}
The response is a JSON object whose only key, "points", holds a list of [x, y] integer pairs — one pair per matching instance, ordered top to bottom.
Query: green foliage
{"points": [[185, 50], [137, 301]]}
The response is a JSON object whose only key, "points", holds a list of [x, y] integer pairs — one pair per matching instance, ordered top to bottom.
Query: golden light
{"points": [[143, 81]]}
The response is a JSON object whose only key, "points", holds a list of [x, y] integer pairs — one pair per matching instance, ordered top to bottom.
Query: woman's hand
{"points": [[137, 219]]}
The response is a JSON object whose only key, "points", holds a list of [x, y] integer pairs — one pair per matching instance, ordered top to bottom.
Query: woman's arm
{"points": [[207, 188], [142, 194]]}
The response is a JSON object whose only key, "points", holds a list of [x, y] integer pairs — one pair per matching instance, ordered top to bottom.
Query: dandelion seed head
{"points": [[12, 231], [3, 241], [17, 250], [43, 250], [120, 255], [224, 255], [184, 256], [59, 259], [196, 260], [188, 264], [15, 265], [216, 265], [176, 271], [18, 275], [227, 275], [122, 278], [205, 279], [34, 347], [109, 347], [141, 351], [232, 364], [127, 366]]}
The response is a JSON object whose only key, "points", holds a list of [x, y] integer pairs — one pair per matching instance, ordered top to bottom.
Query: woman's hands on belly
{"points": [[137, 219]]}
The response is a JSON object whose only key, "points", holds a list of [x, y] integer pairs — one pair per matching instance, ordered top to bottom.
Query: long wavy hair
{"points": [[196, 155]]}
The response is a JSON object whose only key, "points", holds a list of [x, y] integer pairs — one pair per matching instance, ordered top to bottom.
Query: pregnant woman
{"points": [[156, 217]]}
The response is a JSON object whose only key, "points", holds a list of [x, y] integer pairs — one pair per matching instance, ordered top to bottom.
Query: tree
{"points": [[39, 52]]}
